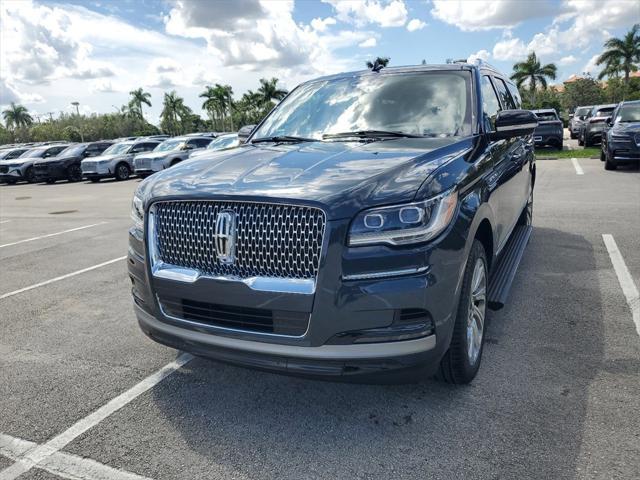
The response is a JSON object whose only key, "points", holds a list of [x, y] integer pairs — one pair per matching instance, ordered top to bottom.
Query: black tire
{"points": [[572, 135], [580, 141], [587, 142], [560, 146], [603, 156], [174, 162], [609, 165], [122, 171], [74, 173], [30, 175], [94, 180], [50, 181], [11, 182], [526, 216], [461, 362]]}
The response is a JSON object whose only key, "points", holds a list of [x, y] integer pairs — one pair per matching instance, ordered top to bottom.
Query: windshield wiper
{"points": [[371, 134], [283, 138]]}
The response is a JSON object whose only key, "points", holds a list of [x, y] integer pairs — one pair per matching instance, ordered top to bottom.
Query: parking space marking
{"points": [[576, 165], [4, 221], [52, 234], [62, 277], [624, 277], [38, 455], [64, 465]]}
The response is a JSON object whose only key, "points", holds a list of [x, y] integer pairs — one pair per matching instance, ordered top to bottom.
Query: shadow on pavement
{"points": [[523, 417]]}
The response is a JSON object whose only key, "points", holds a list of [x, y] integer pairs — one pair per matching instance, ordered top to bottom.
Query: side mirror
{"points": [[571, 115], [609, 121], [514, 123], [245, 132], [187, 147]]}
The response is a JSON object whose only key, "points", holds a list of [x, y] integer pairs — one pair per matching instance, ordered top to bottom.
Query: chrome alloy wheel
{"points": [[477, 311]]}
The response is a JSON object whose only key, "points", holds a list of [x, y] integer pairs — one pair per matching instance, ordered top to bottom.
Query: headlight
{"points": [[619, 136], [137, 211], [404, 224]]}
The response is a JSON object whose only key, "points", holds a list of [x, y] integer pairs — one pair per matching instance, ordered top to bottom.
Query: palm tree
{"points": [[621, 55], [378, 63], [532, 72], [270, 91], [138, 97], [174, 112], [17, 116]]}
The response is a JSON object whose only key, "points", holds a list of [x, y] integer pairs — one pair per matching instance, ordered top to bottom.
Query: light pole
{"points": [[77, 105]]}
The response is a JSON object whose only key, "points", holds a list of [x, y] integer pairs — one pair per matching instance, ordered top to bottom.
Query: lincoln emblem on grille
{"points": [[225, 236]]}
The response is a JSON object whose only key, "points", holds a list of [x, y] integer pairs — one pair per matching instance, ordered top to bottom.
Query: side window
{"points": [[515, 94], [505, 97], [490, 104], [201, 142], [149, 146], [137, 148], [92, 151]]}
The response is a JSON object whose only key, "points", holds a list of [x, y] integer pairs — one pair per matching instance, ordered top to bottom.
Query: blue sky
{"points": [[95, 52]]}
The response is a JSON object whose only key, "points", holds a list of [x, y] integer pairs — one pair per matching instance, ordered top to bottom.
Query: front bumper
{"points": [[624, 151], [147, 166], [97, 170], [50, 172], [11, 175], [341, 307]]}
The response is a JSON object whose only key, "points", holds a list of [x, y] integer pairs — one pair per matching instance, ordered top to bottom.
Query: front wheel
{"points": [[580, 141], [609, 165], [122, 171], [74, 173], [30, 175], [461, 362]]}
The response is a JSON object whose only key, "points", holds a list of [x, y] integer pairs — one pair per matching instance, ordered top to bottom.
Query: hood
{"points": [[626, 127], [153, 155], [104, 157], [58, 159], [19, 161], [340, 176]]}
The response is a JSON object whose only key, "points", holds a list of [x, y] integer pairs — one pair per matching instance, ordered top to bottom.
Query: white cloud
{"points": [[363, 12], [489, 14], [321, 24], [415, 24], [369, 42], [510, 49], [479, 55], [568, 60], [591, 67], [103, 86], [9, 93]]}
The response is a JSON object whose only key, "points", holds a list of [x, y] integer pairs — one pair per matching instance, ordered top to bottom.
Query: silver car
{"points": [[223, 142], [168, 153], [116, 161], [21, 168]]}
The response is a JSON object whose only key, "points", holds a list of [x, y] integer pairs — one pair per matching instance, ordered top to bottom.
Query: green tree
{"points": [[621, 54], [380, 62], [533, 73], [270, 91], [582, 91], [138, 98], [173, 114], [17, 116]]}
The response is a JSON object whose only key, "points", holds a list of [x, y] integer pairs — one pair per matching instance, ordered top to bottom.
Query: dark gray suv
{"points": [[360, 234]]}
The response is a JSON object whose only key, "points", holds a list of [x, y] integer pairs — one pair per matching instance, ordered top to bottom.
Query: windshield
{"points": [[426, 103], [582, 112], [604, 112], [629, 113], [546, 116], [223, 142], [168, 145], [117, 148], [72, 151], [36, 152]]}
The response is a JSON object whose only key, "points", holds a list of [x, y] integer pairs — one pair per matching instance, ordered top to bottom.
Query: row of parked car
{"points": [[119, 158]]}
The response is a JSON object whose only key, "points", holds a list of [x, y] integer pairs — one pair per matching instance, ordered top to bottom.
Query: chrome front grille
{"points": [[143, 163], [273, 240]]}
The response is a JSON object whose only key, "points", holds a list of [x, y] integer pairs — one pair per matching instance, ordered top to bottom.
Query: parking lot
{"points": [[85, 395]]}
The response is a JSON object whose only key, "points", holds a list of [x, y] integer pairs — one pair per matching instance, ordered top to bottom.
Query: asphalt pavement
{"points": [[557, 396]]}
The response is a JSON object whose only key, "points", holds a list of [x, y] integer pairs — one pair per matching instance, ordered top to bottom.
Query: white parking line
{"points": [[577, 166], [4, 221], [52, 234], [62, 277], [624, 277], [42, 453], [64, 465]]}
